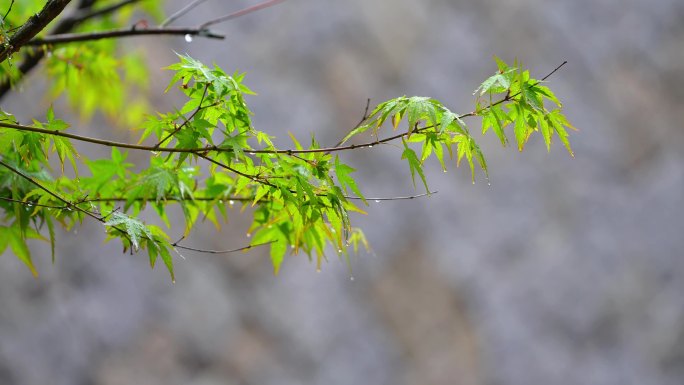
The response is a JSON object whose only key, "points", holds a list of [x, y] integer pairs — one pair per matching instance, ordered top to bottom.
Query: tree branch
{"points": [[181, 12], [241, 12], [84, 14], [65, 25], [32, 27], [124, 32], [202, 151], [47, 190], [243, 199]]}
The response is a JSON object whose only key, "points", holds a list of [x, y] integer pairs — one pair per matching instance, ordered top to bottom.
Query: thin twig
{"points": [[8, 11], [181, 12], [241, 12], [87, 13], [552, 72], [363, 119], [185, 123], [227, 167], [47, 190], [396, 198], [171, 199], [240, 199], [32, 204], [176, 245]]}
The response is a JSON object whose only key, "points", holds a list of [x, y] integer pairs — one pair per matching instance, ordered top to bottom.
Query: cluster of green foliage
{"points": [[208, 158]]}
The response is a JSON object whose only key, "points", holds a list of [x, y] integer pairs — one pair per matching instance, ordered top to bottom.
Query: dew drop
{"points": [[188, 38], [371, 146], [444, 171], [377, 201], [231, 202], [249, 235], [339, 250]]}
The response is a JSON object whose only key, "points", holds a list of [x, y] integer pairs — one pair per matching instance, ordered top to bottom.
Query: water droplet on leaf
{"points": [[231, 202]]}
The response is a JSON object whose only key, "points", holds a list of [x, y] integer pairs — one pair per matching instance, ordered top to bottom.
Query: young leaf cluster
{"points": [[207, 160]]}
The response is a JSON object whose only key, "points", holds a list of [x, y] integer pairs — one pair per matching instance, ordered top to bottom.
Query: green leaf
{"points": [[497, 83], [419, 108], [558, 121], [520, 127], [65, 150], [414, 165], [343, 171], [155, 183], [134, 229], [51, 232], [5, 235], [16, 239], [278, 251]]}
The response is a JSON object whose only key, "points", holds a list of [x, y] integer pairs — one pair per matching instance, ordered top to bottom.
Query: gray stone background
{"points": [[563, 271]]}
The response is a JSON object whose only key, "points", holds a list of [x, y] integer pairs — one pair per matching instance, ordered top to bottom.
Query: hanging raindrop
{"points": [[188, 38], [377, 201]]}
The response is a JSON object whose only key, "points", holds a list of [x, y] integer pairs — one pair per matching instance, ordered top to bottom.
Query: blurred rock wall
{"points": [[563, 271]]}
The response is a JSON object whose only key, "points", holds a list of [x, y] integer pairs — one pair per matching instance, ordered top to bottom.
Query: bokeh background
{"points": [[562, 271]]}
